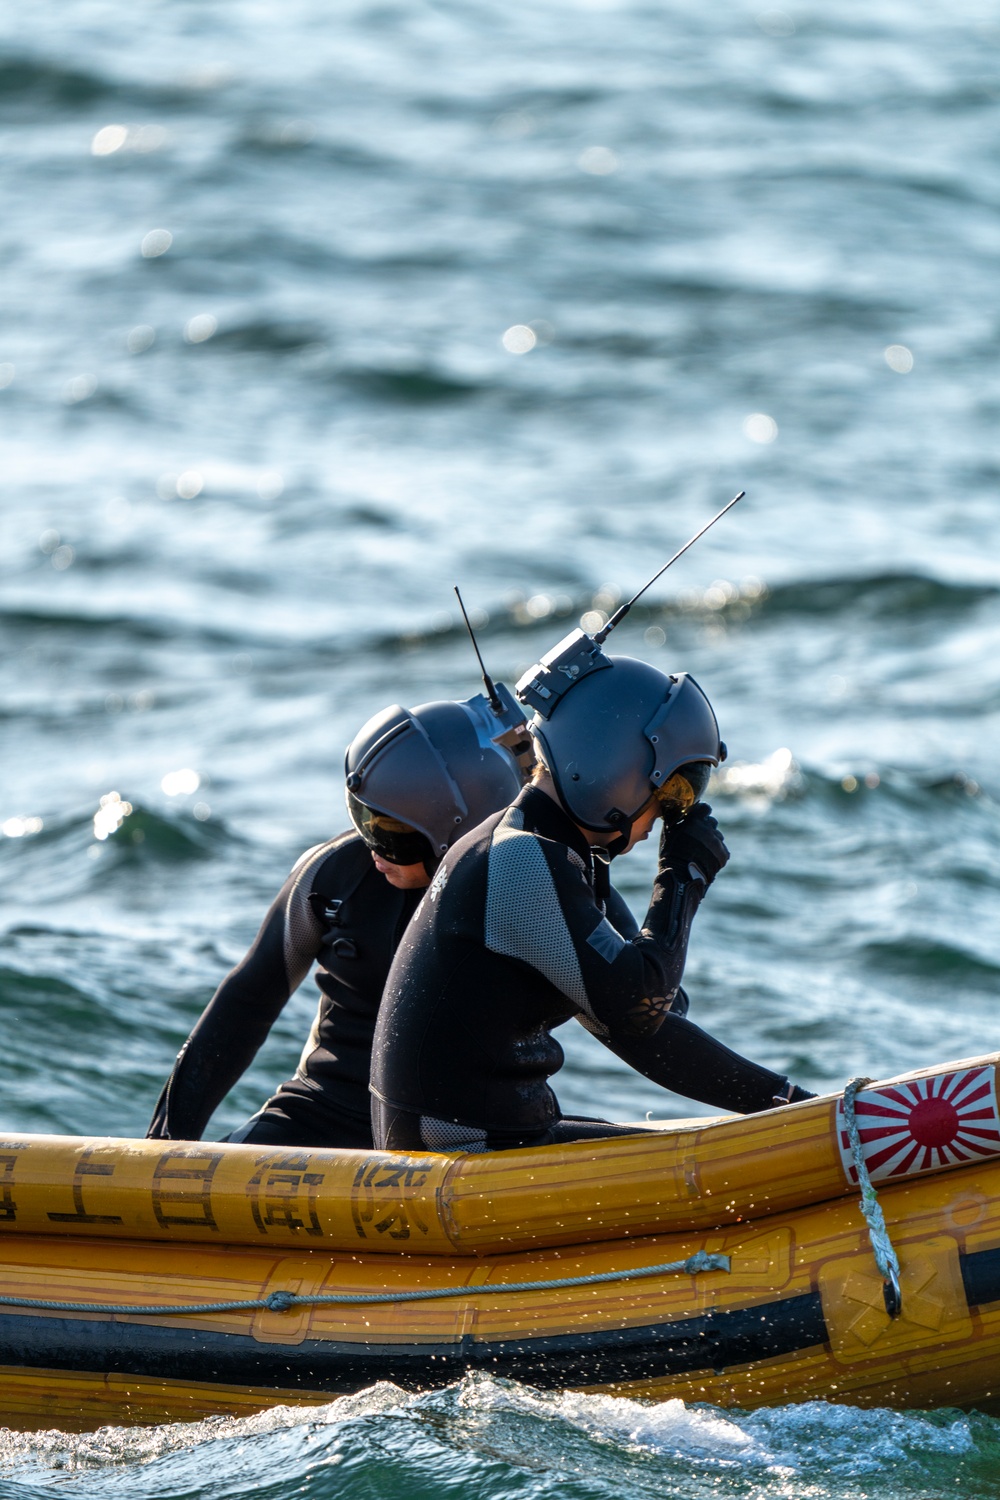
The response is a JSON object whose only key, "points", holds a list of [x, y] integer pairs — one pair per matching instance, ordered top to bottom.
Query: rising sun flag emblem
{"points": [[924, 1124]]}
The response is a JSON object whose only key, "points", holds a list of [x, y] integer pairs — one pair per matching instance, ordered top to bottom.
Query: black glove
{"points": [[695, 840]]}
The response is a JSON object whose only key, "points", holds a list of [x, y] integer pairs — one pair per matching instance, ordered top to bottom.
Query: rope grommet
{"points": [[892, 1294]]}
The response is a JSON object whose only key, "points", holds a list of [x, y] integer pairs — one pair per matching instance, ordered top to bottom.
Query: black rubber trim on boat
{"points": [[981, 1276], [715, 1341]]}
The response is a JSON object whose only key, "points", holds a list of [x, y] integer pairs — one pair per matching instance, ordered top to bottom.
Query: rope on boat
{"points": [[885, 1256], [285, 1301]]}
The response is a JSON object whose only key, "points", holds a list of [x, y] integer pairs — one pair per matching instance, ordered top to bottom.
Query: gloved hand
{"points": [[695, 840]]}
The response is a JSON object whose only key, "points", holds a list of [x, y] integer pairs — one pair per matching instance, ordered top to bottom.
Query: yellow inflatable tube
{"points": [[690, 1177], [799, 1316]]}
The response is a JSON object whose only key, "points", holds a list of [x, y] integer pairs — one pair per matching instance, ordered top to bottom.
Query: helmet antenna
{"points": [[623, 610], [491, 692]]}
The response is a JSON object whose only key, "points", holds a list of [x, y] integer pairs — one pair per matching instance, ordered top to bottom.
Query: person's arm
{"points": [[691, 854], [541, 909], [619, 914], [236, 1021], [674, 1052], [680, 1056]]}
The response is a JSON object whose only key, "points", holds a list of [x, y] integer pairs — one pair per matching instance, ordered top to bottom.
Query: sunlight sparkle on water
{"points": [[109, 138], [112, 138], [156, 242], [200, 327], [140, 338], [519, 339], [899, 358], [80, 388], [760, 428], [189, 484], [719, 593], [592, 620], [759, 781], [180, 783], [110, 816], [18, 828]]}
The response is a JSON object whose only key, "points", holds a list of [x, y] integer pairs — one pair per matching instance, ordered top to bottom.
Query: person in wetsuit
{"points": [[415, 780], [517, 933]]}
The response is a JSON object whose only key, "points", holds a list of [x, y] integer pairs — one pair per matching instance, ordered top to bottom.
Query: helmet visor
{"points": [[683, 789], [387, 837]]}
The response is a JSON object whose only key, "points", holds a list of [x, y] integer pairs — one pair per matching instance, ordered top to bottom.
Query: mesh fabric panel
{"points": [[524, 918], [445, 1135]]}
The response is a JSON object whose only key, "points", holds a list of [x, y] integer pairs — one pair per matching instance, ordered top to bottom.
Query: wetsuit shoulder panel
{"points": [[333, 871], [524, 916], [302, 930]]}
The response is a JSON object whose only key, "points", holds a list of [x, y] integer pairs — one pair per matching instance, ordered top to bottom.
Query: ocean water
{"points": [[310, 313]]}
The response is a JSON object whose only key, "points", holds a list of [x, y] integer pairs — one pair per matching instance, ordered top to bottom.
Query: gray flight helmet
{"points": [[613, 730], [439, 768]]}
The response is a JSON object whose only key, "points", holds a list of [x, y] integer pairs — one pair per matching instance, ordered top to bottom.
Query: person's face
{"points": [[642, 824], [403, 877]]}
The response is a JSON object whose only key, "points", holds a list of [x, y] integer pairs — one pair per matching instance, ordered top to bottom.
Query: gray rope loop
{"points": [[885, 1256], [280, 1301]]}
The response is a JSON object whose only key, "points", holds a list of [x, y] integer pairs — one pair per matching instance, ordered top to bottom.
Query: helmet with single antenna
{"points": [[614, 732], [417, 779]]}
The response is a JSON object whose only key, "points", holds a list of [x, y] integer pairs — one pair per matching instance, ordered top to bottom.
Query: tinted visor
{"points": [[684, 788], [391, 840]]}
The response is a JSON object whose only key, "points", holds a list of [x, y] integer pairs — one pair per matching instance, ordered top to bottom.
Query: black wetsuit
{"points": [[336, 908], [509, 942]]}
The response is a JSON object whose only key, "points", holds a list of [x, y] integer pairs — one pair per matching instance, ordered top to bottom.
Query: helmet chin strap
{"points": [[620, 822], [623, 827], [619, 843]]}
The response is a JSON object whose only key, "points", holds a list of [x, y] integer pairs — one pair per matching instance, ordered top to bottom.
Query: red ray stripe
{"points": [[980, 1082], [879, 1159], [904, 1163]]}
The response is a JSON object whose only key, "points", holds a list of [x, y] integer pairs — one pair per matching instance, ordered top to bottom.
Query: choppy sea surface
{"points": [[309, 313]]}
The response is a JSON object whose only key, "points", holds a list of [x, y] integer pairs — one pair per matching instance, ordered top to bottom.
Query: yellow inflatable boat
{"points": [[727, 1261]]}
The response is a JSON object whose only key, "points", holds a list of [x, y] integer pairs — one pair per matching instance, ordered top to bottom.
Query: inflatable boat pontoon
{"points": [[726, 1261]]}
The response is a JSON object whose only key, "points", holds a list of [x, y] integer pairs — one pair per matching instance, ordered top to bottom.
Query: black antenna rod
{"points": [[623, 610], [491, 691]]}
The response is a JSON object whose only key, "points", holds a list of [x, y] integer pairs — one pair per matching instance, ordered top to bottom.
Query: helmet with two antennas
{"points": [[612, 732]]}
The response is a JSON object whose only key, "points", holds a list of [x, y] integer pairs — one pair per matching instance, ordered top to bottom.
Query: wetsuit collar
{"points": [[546, 817]]}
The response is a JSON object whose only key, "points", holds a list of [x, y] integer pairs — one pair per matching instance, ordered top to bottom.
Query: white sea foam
{"points": [[111, 1446]]}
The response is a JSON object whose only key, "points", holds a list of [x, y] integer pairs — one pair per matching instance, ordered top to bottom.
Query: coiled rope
{"points": [[885, 1256], [285, 1301]]}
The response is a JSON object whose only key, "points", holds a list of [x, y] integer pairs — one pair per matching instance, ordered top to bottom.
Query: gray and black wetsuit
{"points": [[334, 909], [509, 942]]}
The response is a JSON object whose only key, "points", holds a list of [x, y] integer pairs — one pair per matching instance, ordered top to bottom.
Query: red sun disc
{"points": [[934, 1122]]}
